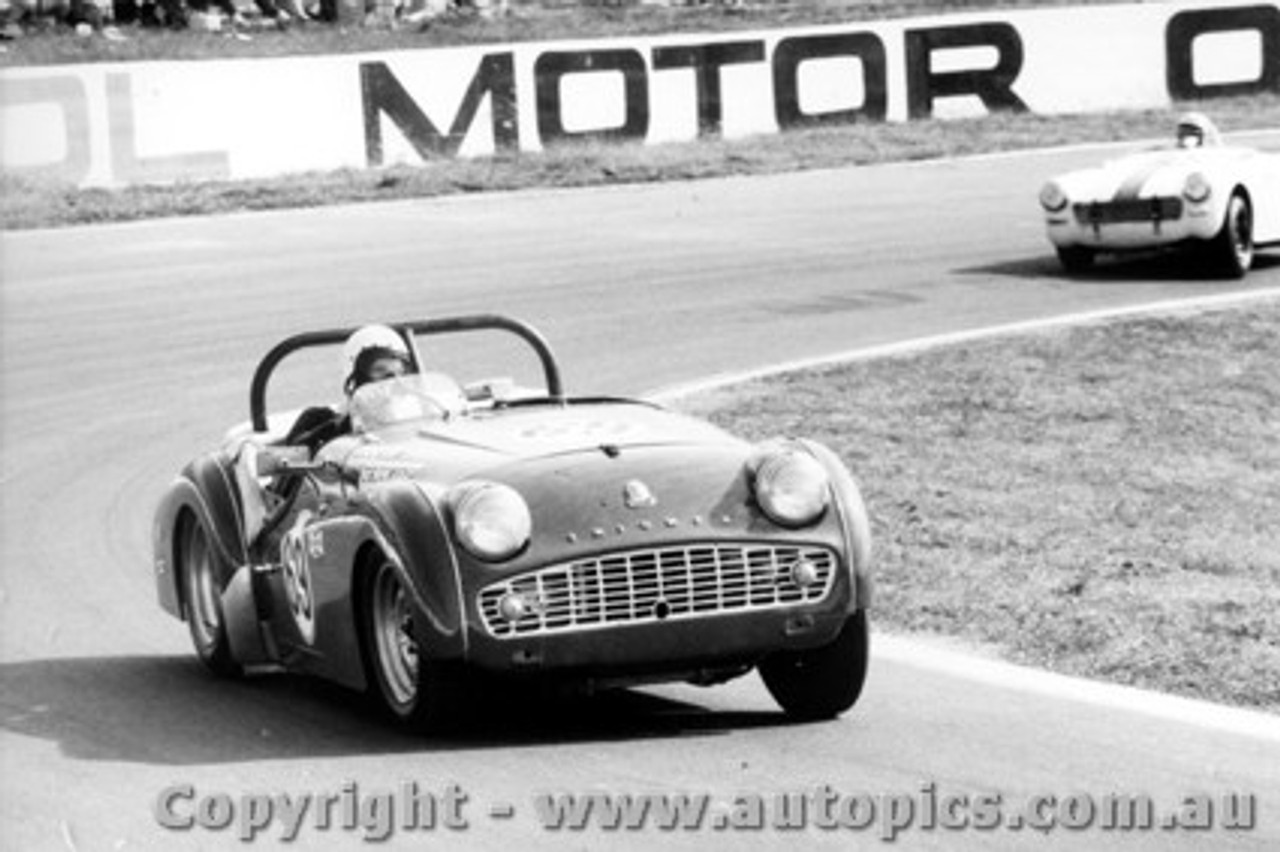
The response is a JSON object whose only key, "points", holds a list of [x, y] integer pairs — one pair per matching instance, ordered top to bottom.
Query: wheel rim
{"points": [[1241, 230], [202, 591], [394, 645]]}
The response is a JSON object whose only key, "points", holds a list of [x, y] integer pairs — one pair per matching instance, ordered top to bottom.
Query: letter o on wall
{"points": [[1185, 27], [792, 52], [551, 68], [68, 96]]}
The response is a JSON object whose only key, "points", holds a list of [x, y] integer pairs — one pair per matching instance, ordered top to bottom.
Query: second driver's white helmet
{"points": [[1195, 130], [367, 344]]}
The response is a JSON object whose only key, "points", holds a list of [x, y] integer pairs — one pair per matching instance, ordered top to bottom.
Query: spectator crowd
{"points": [[106, 17]]}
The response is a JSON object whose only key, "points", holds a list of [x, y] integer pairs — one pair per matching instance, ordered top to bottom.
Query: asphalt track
{"points": [[128, 348]]}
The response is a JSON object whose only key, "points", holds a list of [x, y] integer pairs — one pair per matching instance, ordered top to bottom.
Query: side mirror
{"points": [[489, 390], [499, 392], [282, 461]]}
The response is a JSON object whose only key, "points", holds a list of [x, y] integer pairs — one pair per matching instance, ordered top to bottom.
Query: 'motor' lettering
{"points": [[1185, 27], [792, 52], [707, 60], [551, 68], [994, 86], [383, 94]]}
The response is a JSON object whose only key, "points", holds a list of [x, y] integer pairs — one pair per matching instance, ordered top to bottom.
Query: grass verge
{"points": [[30, 202], [1099, 501]]}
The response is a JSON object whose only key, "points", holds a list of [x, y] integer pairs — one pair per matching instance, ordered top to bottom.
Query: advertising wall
{"points": [[157, 122]]}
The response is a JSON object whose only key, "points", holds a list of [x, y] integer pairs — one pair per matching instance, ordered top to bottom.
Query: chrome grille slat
{"points": [[1159, 209], [652, 585]]}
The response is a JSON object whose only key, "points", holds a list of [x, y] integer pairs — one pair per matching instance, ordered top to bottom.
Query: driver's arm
{"points": [[316, 426]]}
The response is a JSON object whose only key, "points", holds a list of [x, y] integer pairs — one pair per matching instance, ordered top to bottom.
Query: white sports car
{"points": [[1222, 200]]}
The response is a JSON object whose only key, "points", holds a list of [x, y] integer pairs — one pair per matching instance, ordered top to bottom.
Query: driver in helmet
{"points": [[1195, 130], [371, 354]]}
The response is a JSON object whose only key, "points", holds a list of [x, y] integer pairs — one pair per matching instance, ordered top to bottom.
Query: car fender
{"points": [[1224, 181], [1264, 190], [205, 488], [852, 510], [403, 524], [414, 532], [331, 554], [240, 609]]}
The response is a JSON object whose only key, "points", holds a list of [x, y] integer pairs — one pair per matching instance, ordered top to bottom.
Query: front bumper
{"points": [[1136, 224], [673, 608], [647, 651]]}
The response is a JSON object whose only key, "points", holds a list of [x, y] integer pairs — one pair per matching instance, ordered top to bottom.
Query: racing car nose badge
{"points": [[637, 495]]}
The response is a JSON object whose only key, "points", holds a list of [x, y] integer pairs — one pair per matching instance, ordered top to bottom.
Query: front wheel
{"points": [[1232, 249], [205, 573], [822, 682], [412, 690]]}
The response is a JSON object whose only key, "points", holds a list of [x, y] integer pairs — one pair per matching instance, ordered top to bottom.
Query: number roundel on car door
{"points": [[295, 561]]}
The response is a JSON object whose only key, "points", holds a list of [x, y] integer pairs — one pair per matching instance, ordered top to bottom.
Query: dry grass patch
{"points": [[1101, 501]]}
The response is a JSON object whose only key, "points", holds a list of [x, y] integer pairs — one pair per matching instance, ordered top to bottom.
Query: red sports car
{"points": [[457, 530]]}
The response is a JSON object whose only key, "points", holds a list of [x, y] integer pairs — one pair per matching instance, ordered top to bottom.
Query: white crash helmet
{"points": [[1196, 130], [369, 343]]}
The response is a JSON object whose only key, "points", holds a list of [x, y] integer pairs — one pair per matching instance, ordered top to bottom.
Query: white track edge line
{"points": [[908, 347], [921, 654]]}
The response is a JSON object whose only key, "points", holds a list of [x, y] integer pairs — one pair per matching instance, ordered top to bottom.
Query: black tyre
{"points": [[1231, 251], [1076, 258], [205, 573], [822, 682], [413, 691]]}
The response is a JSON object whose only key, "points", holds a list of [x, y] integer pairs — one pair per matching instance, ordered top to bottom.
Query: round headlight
{"points": [[1196, 189], [1052, 198], [792, 487], [490, 520]]}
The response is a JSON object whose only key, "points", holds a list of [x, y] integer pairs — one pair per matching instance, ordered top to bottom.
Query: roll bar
{"points": [[444, 325]]}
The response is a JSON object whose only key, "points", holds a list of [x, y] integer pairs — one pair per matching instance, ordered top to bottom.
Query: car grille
{"points": [[1128, 210], [646, 586]]}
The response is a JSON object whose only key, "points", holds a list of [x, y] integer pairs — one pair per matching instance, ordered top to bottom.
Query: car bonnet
{"points": [[1144, 175], [547, 430]]}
